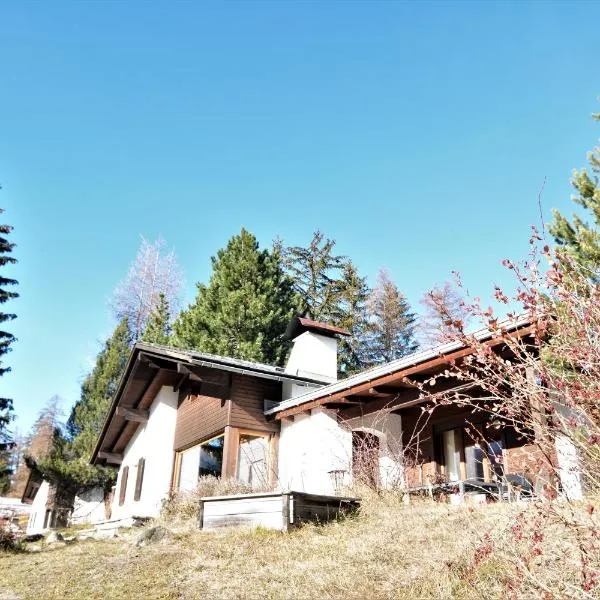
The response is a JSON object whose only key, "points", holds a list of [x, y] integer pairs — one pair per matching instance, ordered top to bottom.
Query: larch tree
{"points": [[578, 237], [154, 271], [317, 273], [7, 293], [245, 308], [444, 314], [352, 316], [391, 323], [158, 327]]}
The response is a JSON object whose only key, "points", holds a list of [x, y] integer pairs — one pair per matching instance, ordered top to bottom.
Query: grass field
{"points": [[388, 551]]}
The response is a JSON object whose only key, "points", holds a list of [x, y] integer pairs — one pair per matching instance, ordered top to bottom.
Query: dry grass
{"points": [[388, 551]]}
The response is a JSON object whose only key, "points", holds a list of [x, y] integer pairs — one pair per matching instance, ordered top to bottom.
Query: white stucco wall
{"points": [[313, 355], [153, 442], [310, 447], [569, 469], [88, 507], [38, 509]]}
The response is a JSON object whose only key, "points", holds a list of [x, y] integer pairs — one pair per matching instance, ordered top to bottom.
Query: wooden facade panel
{"points": [[247, 400], [198, 418]]}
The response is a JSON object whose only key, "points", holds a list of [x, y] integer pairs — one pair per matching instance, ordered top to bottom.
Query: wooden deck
{"points": [[273, 510]]}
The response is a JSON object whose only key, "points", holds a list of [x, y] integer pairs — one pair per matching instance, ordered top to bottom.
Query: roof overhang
{"points": [[299, 325], [151, 367], [383, 382]]}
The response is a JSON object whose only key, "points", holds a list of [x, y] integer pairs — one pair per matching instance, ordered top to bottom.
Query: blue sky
{"points": [[416, 134]]}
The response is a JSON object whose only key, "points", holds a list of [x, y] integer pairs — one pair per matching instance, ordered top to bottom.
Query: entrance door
{"points": [[365, 458]]}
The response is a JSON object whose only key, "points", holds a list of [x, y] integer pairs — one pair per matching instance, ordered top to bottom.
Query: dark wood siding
{"points": [[247, 396], [208, 409], [198, 418]]}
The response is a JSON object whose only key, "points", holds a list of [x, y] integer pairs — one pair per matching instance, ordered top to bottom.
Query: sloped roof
{"points": [[299, 325], [374, 373]]}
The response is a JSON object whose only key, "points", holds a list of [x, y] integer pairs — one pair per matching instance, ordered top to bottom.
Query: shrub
{"points": [[8, 540]]}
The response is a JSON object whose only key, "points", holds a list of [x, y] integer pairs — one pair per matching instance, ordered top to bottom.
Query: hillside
{"points": [[388, 551]]}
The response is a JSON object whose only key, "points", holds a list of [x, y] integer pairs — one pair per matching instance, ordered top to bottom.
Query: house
{"points": [[178, 415]]}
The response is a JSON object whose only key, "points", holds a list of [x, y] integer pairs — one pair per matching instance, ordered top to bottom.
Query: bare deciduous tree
{"points": [[154, 271], [444, 314]]}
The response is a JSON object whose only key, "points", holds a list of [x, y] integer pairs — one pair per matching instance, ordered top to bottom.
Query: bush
{"points": [[8, 540]]}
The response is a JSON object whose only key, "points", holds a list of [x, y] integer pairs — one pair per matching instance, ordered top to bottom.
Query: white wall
{"points": [[313, 355], [153, 442], [310, 446], [569, 469], [89, 507], [38, 509]]}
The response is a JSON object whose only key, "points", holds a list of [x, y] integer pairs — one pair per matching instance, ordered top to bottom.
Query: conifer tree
{"points": [[579, 237], [317, 274], [7, 293], [245, 308], [352, 316], [391, 323], [158, 327], [98, 388]]}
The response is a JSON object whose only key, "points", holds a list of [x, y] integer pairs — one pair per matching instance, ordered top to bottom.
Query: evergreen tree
{"points": [[578, 237], [318, 277], [245, 308], [352, 316], [391, 323], [158, 327], [6, 338], [98, 388], [6, 470]]}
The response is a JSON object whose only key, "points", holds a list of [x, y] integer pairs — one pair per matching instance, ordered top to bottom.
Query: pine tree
{"points": [[578, 237], [318, 276], [245, 308], [352, 316], [391, 323], [158, 327], [6, 338], [98, 388]]}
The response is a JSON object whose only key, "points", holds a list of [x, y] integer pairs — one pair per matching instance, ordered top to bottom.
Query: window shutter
{"points": [[139, 479], [123, 489]]}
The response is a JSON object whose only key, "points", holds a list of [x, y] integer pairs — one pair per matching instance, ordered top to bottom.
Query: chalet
{"points": [[178, 415]]}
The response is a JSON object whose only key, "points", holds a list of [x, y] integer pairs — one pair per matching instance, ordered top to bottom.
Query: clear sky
{"points": [[416, 134]]}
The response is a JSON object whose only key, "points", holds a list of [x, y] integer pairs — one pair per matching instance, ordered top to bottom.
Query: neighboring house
{"points": [[178, 415], [50, 504]]}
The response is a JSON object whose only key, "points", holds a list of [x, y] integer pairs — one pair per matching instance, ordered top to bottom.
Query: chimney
{"points": [[314, 353]]}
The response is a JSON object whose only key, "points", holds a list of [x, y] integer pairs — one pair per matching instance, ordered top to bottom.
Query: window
{"points": [[470, 456], [211, 457], [204, 459], [252, 461], [139, 479], [123, 489], [31, 492]]}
